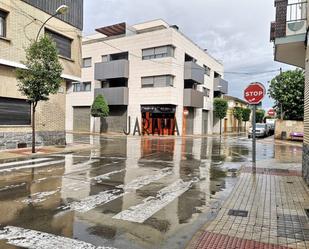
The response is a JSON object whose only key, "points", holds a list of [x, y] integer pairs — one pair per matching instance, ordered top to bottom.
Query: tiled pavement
{"points": [[273, 202]]}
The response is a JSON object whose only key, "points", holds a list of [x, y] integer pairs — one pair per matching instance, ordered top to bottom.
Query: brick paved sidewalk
{"points": [[265, 210]]}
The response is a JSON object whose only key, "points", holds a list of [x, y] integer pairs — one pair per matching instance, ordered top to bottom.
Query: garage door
{"points": [[81, 118]]}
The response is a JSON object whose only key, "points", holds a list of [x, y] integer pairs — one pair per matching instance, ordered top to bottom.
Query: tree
{"points": [[42, 75], [287, 89], [99, 107], [220, 110], [237, 112], [246, 113], [259, 116]]}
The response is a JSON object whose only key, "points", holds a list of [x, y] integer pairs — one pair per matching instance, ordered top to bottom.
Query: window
{"points": [[3, 16], [63, 43], [158, 52], [104, 58], [87, 62], [207, 70], [217, 75], [158, 81], [82, 87], [206, 91], [14, 111]]}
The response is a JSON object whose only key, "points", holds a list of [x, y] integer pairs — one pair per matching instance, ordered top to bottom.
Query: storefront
{"points": [[158, 119]]}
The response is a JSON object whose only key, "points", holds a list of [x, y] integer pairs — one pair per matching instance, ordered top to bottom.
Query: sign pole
{"points": [[253, 94], [254, 138]]}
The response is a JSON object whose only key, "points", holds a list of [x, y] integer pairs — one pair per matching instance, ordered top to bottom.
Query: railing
{"points": [[296, 12]]}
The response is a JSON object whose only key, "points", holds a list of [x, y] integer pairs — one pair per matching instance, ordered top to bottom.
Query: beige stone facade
{"points": [[23, 22], [142, 36], [230, 123]]}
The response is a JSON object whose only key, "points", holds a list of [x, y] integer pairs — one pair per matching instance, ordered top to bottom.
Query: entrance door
{"points": [[81, 118], [190, 121], [205, 122]]}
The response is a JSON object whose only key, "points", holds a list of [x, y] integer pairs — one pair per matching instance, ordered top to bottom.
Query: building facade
{"points": [[20, 22], [290, 36], [149, 72], [230, 123]]}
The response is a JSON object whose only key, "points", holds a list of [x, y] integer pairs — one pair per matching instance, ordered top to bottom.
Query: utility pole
{"points": [[281, 109]]}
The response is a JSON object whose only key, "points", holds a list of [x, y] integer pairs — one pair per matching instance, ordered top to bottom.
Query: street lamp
{"points": [[62, 9]]}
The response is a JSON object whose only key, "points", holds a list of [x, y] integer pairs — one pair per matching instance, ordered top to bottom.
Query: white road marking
{"points": [[24, 162], [29, 166], [106, 176], [12, 186], [40, 196], [104, 197], [152, 205], [38, 240]]}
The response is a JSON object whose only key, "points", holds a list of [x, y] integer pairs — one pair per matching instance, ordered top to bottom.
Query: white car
{"points": [[262, 130]]}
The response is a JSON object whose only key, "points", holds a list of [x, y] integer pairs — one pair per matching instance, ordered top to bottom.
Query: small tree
{"points": [[42, 75], [287, 89], [99, 107], [220, 110], [237, 112], [246, 113], [259, 117]]}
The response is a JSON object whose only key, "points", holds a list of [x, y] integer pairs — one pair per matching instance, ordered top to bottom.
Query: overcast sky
{"points": [[236, 32]]}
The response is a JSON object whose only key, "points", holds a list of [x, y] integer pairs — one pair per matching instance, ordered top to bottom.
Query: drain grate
{"points": [[241, 213], [293, 227]]}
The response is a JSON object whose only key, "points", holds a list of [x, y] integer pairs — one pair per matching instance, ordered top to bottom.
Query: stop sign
{"points": [[254, 93], [271, 112]]}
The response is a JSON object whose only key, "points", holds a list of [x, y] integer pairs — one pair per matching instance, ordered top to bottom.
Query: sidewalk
{"points": [[44, 150], [265, 210]]}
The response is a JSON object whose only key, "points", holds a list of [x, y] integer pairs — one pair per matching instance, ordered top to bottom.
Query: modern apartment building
{"points": [[20, 22], [290, 36], [150, 72]]}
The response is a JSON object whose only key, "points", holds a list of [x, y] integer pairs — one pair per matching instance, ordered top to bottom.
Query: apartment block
{"points": [[20, 22], [289, 33], [150, 72]]}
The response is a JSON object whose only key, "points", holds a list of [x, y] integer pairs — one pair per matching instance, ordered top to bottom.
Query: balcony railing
{"points": [[296, 12], [291, 19], [111, 70], [114, 95], [193, 98]]}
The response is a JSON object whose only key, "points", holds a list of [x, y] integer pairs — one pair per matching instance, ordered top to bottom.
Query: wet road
{"points": [[129, 193]]}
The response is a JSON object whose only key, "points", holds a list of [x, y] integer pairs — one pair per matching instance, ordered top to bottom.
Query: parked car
{"points": [[262, 130]]}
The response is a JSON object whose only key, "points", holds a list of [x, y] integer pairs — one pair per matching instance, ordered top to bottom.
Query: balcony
{"points": [[288, 32], [111, 70], [194, 72], [221, 85], [114, 95], [193, 98]]}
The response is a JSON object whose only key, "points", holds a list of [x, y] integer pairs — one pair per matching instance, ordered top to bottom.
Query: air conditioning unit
{"points": [[296, 28]]}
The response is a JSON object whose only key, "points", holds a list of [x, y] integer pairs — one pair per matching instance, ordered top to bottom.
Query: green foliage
{"points": [[42, 75], [287, 89], [99, 107], [220, 108], [237, 112], [246, 112], [259, 117]]}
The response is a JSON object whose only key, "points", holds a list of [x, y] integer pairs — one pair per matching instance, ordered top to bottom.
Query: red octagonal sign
{"points": [[254, 93]]}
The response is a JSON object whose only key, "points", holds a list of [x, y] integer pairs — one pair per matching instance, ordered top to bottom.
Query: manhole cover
{"points": [[241, 213]]}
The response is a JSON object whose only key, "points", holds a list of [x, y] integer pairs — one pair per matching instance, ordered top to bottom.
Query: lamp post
{"points": [[62, 9]]}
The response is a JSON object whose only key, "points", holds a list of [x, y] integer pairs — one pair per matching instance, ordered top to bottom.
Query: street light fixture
{"points": [[62, 9]]}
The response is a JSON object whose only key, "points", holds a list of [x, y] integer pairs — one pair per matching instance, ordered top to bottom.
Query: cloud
{"points": [[236, 32]]}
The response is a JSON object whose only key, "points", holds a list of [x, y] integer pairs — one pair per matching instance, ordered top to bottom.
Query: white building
{"points": [[150, 72]]}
